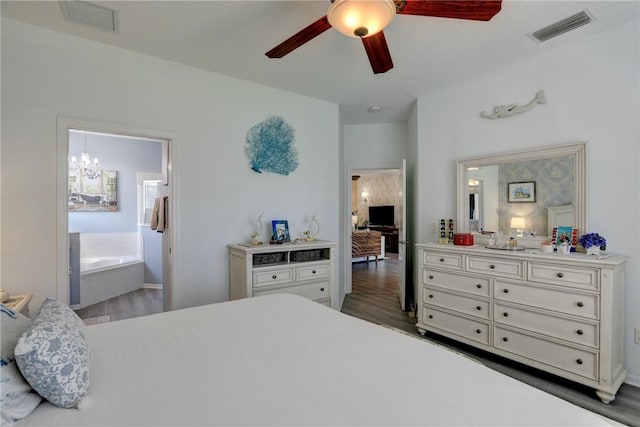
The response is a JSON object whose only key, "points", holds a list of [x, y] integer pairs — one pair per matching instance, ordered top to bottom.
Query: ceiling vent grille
{"points": [[92, 15], [561, 27]]}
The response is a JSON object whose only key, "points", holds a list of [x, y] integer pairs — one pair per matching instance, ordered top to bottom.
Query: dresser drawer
{"points": [[443, 260], [496, 267], [310, 272], [269, 277], [584, 278], [459, 282], [310, 291], [548, 297], [471, 306], [471, 329], [579, 332], [565, 357]]}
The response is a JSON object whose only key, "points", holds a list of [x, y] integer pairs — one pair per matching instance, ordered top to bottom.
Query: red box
{"points": [[463, 239]]}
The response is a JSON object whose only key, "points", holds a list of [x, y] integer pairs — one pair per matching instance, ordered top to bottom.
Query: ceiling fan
{"points": [[366, 19]]}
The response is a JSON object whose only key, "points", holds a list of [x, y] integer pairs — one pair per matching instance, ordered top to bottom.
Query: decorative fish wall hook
{"points": [[509, 110]]}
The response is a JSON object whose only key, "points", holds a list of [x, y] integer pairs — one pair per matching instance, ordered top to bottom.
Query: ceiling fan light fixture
{"points": [[361, 18]]}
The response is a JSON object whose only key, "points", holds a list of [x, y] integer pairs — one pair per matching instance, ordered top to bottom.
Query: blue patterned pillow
{"points": [[53, 354]]}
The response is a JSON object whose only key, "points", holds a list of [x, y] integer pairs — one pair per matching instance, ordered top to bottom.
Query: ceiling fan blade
{"points": [[482, 10], [300, 38], [378, 53]]}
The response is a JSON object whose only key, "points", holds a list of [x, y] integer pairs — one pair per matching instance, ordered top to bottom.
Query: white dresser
{"points": [[302, 268], [558, 313]]}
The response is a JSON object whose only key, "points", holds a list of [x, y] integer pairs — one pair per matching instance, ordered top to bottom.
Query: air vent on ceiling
{"points": [[93, 15], [561, 27]]}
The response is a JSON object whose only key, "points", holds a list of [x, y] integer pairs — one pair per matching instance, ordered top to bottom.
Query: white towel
{"points": [[154, 214], [159, 215]]}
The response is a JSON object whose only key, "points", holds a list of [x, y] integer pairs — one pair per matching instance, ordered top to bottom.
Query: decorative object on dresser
{"points": [[280, 231], [257, 236], [310, 236], [593, 243], [302, 268], [560, 314]]}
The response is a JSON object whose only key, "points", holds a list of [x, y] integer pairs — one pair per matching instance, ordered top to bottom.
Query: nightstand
{"points": [[19, 303]]}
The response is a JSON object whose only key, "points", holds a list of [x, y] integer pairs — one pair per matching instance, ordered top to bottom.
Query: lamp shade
{"points": [[361, 18], [517, 222]]}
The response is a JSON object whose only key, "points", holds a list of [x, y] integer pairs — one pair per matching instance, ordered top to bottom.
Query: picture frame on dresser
{"points": [[280, 231]]}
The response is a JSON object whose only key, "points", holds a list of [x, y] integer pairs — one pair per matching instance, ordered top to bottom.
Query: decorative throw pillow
{"points": [[13, 324], [53, 354], [17, 399]]}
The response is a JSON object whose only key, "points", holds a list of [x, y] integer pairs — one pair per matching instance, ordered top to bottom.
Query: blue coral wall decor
{"points": [[269, 147]]}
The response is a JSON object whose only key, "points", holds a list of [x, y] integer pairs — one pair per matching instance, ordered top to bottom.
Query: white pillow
{"points": [[13, 325], [53, 354], [17, 399]]}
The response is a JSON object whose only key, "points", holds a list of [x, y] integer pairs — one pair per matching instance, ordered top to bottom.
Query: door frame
{"points": [[63, 125], [348, 288]]}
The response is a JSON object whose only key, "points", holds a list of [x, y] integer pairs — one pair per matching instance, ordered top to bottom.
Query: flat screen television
{"points": [[381, 215]]}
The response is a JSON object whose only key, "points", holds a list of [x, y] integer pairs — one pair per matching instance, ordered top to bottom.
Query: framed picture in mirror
{"points": [[522, 192]]}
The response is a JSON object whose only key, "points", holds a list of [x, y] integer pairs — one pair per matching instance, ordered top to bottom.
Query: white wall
{"points": [[47, 74], [592, 88], [376, 146]]}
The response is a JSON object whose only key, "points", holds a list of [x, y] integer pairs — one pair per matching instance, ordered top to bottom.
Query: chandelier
{"points": [[85, 167]]}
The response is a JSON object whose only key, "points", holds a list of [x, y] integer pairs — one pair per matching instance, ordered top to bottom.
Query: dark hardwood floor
{"points": [[375, 299], [138, 303]]}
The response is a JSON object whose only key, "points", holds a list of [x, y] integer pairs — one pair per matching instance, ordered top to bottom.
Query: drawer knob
{"points": [[441, 259], [492, 266], [313, 272], [560, 275], [431, 276], [274, 277], [479, 286], [321, 289], [506, 291], [430, 295], [580, 304], [478, 308], [505, 314], [431, 316], [478, 331], [579, 332], [505, 339], [579, 361]]}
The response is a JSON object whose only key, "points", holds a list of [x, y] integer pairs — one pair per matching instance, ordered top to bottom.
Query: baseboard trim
{"points": [[152, 286], [633, 380]]}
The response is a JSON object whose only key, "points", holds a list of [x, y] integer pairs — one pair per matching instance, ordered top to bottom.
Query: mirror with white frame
{"points": [[554, 182]]}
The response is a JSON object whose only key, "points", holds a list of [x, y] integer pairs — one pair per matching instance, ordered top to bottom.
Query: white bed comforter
{"points": [[283, 360]]}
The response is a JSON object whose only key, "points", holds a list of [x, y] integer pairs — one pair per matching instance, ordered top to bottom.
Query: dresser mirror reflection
{"points": [[556, 177]]}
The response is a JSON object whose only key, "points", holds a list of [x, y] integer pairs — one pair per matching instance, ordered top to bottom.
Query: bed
{"points": [[284, 360]]}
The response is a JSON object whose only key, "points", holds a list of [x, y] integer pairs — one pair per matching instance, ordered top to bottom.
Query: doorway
{"points": [[109, 180], [377, 210]]}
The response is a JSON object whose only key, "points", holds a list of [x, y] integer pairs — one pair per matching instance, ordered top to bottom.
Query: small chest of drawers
{"points": [[304, 268], [558, 313]]}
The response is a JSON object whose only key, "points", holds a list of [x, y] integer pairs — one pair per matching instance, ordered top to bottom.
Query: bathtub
{"points": [[99, 264], [111, 264]]}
